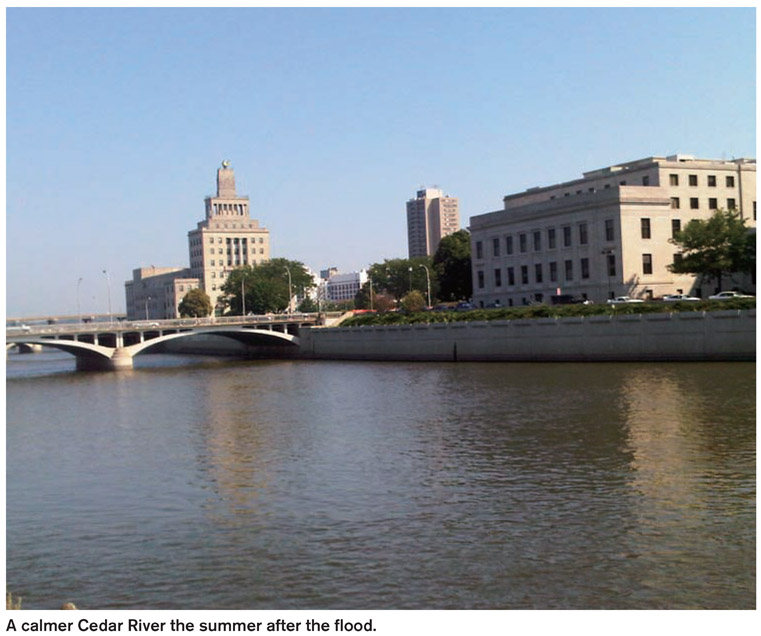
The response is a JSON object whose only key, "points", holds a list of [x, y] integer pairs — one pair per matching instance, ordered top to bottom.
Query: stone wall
{"points": [[718, 335]]}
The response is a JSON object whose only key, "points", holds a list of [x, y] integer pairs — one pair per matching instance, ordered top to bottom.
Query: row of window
{"points": [[711, 180], [713, 203], [565, 237], [553, 271]]}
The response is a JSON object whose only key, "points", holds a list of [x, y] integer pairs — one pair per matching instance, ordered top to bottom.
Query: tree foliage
{"points": [[716, 246], [452, 264], [399, 276], [265, 286], [413, 301], [195, 304]]}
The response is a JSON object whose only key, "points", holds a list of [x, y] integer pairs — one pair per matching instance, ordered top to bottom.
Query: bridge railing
{"points": [[147, 325]]}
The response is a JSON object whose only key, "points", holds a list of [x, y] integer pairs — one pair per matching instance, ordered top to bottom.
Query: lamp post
{"points": [[410, 278], [108, 280], [370, 280], [428, 281], [242, 295], [290, 295], [147, 298], [79, 309]]}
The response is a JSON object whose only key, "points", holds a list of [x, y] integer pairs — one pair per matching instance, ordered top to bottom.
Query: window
{"points": [[674, 179], [693, 179], [645, 180], [711, 180], [730, 182], [674, 203], [693, 203], [713, 204], [731, 204], [676, 226], [645, 228], [608, 229], [583, 234], [567, 236], [551, 240], [537, 241], [522, 242], [509, 244], [495, 246], [479, 249], [647, 263], [611, 264], [585, 268], [569, 270], [538, 272], [553, 272], [524, 274], [510, 276], [498, 277], [480, 279]]}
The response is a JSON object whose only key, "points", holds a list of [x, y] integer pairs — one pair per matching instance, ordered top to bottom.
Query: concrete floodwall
{"points": [[718, 335]]}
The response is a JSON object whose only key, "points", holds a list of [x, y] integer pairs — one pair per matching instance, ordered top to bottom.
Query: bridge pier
{"points": [[119, 361]]}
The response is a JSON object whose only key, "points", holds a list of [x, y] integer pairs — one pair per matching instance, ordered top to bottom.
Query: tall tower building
{"points": [[430, 216], [227, 238]]}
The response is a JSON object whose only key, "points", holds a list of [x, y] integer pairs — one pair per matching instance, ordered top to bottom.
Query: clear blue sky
{"points": [[117, 120]]}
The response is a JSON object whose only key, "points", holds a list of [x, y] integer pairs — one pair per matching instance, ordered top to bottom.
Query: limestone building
{"points": [[431, 215], [606, 234], [227, 238]]}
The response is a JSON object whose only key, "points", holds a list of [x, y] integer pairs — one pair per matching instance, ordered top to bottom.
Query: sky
{"points": [[117, 120]]}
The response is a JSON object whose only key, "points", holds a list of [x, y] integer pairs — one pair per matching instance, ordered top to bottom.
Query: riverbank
{"points": [[727, 335]]}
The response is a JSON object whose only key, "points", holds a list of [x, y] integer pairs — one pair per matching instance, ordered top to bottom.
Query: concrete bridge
{"points": [[113, 345]]}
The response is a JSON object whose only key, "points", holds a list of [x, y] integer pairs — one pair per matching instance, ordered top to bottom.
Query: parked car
{"points": [[725, 295], [674, 298], [569, 299], [622, 300], [464, 306], [143, 325]]}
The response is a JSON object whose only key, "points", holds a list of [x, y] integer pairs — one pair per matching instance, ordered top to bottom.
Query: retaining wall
{"points": [[717, 335]]}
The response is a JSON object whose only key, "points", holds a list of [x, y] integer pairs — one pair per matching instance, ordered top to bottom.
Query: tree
{"points": [[714, 247], [452, 264], [398, 276], [265, 286], [413, 301], [195, 304]]}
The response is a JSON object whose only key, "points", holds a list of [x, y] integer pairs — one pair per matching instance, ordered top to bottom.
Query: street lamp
{"points": [[410, 278], [108, 280], [370, 280], [428, 281], [290, 295], [242, 296], [147, 298], [79, 310]]}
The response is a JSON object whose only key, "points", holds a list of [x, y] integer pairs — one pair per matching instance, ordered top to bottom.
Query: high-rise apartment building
{"points": [[431, 215], [606, 234], [227, 238]]}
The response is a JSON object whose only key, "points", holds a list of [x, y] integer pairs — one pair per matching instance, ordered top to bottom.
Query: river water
{"points": [[211, 484]]}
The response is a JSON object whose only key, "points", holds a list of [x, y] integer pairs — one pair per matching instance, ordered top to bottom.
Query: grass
{"points": [[545, 311]]}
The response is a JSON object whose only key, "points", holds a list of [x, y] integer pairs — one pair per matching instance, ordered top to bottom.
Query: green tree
{"points": [[719, 245], [452, 265], [398, 276], [265, 286], [413, 301], [195, 304], [308, 305]]}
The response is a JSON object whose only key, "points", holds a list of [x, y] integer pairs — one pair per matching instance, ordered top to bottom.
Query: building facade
{"points": [[431, 215], [606, 234], [227, 238], [343, 287], [155, 293]]}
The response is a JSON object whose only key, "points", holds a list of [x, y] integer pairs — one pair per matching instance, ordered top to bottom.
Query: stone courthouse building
{"points": [[606, 234], [225, 239]]}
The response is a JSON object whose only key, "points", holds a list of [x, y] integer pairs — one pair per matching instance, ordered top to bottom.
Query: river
{"points": [[194, 483]]}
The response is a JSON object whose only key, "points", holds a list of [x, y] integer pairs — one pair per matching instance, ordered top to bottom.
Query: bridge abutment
{"points": [[119, 361]]}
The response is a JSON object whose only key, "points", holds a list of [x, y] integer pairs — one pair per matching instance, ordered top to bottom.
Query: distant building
{"points": [[431, 215], [606, 234], [227, 238], [342, 287], [155, 293]]}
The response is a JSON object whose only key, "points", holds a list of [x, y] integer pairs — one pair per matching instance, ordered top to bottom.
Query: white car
{"points": [[726, 295], [674, 298], [622, 300]]}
